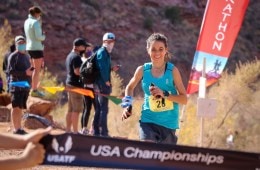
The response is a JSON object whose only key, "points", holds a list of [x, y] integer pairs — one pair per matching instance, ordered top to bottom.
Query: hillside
{"points": [[132, 22]]}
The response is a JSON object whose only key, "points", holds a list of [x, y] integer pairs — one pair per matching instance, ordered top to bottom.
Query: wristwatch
{"points": [[166, 93]]}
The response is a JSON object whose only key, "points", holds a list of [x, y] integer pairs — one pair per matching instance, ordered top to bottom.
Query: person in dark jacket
{"points": [[5, 61], [19, 69], [103, 85], [87, 100]]}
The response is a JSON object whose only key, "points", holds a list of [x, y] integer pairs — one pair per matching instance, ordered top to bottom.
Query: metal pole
{"points": [[202, 94]]}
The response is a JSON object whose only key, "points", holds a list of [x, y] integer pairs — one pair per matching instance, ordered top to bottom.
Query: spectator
{"points": [[35, 36], [89, 51], [5, 61], [19, 69], [103, 85], [163, 92], [75, 100], [87, 100], [33, 153]]}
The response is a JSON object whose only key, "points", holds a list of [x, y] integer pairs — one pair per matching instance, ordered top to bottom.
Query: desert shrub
{"points": [[92, 3], [173, 14], [148, 23], [6, 40], [47, 79], [117, 84], [237, 112], [59, 115]]}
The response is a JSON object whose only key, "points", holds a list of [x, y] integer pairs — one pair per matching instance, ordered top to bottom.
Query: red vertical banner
{"points": [[221, 23]]}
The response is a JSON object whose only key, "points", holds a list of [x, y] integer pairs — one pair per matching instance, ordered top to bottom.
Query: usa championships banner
{"points": [[220, 26], [90, 151]]}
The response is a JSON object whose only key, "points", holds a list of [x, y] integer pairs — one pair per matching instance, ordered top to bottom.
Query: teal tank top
{"points": [[168, 118]]}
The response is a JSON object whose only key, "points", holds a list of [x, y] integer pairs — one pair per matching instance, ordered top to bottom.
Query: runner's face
{"points": [[157, 50]]}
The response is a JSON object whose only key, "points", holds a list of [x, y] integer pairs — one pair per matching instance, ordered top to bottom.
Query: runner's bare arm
{"points": [[181, 97]]}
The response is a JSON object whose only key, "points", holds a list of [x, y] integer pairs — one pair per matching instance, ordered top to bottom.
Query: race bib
{"points": [[160, 104]]}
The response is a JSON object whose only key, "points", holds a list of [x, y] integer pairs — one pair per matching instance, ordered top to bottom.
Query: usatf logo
{"points": [[62, 149], [60, 157]]}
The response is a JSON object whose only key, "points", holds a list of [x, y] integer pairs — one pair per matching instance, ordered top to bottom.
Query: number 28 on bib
{"points": [[160, 104]]}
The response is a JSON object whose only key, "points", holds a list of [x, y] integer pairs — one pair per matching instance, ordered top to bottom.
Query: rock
{"points": [[5, 99], [35, 106], [39, 106], [4, 114], [32, 121], [32, 124]]}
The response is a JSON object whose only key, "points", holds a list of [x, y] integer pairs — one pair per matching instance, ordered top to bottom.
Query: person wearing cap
{"points": [[35, 36], [19, 69], [103, 85], [75, 100]]}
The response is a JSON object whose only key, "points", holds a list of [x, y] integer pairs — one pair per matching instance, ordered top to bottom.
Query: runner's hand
{"points": [[127, 112]]}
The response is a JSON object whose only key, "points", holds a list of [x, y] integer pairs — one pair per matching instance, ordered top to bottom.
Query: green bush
{"points": [[92, 3], [173, 14], [148, 23]]}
